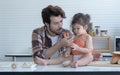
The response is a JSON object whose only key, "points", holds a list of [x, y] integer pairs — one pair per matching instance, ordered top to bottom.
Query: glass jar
{"points": [[91, 30], [97, 30], [103, 32]]}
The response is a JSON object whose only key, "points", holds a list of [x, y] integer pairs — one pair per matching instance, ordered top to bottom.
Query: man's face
{"points": [[55, 27]]}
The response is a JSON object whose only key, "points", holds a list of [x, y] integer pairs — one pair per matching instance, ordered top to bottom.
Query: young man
{"points": [[48, 41]]}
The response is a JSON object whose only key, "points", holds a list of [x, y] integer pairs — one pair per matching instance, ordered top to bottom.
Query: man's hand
{"points": [[66, 41], [67, 53], [36, 59], [40, 61]]}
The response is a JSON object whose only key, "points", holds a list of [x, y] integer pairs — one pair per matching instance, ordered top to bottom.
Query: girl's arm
{"points": [[87, 49]]}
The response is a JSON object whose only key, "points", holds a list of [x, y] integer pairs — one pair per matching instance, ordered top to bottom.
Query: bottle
{"points": [[97, 30], [91, 32]]}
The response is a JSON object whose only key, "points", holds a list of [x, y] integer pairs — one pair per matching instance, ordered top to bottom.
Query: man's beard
{"points": [[57, 32]]}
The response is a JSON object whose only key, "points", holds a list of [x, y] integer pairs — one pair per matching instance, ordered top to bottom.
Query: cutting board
{"points": [[103, 64]]}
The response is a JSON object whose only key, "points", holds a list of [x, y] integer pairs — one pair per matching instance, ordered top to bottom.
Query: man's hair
{"points": [[51, 11]]}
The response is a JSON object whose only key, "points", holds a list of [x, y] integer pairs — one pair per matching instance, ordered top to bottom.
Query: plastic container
{"points": [[103, 32]]}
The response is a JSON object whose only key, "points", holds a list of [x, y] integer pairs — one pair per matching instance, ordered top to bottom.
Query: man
{"points": [[48, 41]]}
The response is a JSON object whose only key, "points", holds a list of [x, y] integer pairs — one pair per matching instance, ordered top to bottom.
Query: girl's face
{"points": [[78, 29]]}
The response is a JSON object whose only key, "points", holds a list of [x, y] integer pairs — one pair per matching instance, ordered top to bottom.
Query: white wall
{"points": [[19, 17]]}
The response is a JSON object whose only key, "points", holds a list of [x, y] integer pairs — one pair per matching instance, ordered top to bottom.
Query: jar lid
{"points": [[97, 26], [103, 30]]}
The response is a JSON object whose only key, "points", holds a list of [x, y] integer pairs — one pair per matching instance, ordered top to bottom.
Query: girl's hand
{"points": [[75, 47]]}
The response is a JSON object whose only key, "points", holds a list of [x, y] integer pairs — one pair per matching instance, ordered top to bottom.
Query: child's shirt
{"points": [[80, 42]]}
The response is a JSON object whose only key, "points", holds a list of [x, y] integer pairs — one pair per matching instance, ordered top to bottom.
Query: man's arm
{"points": [[62, 43], [38, 50], [50, 51], [46, 53]]}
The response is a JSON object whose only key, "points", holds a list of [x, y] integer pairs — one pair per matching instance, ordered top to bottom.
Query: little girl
{"points": [[82, 46]]}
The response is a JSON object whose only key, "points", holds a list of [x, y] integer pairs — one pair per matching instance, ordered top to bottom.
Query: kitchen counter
{"points": [[31, 67]]}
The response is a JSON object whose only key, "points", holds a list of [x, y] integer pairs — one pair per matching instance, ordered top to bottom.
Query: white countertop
{"points": [[19, 54], [107, 54], [31, 67]]}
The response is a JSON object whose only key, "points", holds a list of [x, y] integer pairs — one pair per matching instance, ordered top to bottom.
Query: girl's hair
{"points": [[80, 18]]}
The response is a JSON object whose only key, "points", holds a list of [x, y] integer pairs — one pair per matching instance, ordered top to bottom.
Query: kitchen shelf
{"points": [[104, 50]]}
